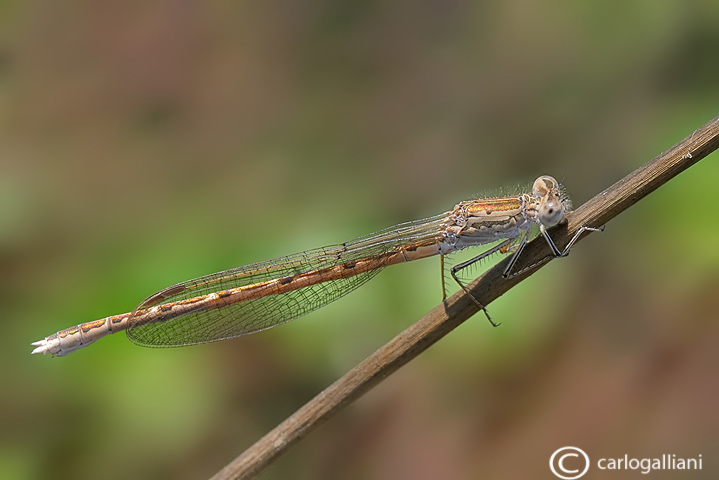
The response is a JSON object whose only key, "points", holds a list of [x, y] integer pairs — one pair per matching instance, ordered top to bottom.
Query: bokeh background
{"points": [[142, 144]]}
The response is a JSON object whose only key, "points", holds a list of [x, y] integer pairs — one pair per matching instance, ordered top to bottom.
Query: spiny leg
{"points": [[576, 236], [517, 252], [556, 253], [441, 267], [453, 271]]}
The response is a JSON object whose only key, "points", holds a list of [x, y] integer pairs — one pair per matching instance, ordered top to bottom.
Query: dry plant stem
{"points": [[458, 308]]}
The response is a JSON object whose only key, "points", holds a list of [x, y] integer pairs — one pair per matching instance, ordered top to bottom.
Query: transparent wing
{"points": [[268, 311]]}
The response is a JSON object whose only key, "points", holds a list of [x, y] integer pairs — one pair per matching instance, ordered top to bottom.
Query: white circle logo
{"points": [[568, 471]]}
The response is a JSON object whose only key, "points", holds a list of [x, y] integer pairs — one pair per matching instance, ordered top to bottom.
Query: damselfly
{"points": [[262, 295]]}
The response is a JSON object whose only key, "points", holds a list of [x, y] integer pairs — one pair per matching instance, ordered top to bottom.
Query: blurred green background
{"points": [[142, 144]]}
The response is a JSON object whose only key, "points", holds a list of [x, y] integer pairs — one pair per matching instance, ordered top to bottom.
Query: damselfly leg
{"points": [[502, 246], [507, 246], [556, 253]]}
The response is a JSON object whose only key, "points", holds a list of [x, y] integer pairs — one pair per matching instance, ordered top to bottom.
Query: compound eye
{"points": [[544, 185], [551, 212]]}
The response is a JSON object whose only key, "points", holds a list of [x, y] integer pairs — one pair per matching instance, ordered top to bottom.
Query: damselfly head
{"points": [[552, 202]]}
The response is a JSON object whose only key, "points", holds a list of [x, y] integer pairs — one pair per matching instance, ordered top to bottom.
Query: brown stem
{"points": [[458, 308]]}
